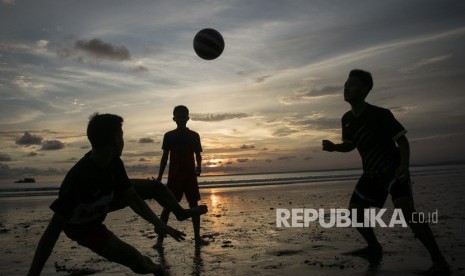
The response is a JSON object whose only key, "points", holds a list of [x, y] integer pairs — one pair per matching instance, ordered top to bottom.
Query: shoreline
{"points": [[438, 167], [45, 189], [54, 191], [244, 239]]}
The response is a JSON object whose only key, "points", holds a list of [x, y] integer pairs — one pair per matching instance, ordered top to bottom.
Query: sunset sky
{"points": [[263, 106]]}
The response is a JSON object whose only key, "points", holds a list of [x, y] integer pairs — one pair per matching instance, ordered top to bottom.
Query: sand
{"points": [[241, 227]]}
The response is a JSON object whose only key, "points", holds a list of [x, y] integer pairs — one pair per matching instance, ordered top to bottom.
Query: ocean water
{"points": [[224, 181]]}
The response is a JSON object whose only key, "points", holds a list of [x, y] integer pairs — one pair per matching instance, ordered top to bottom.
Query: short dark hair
{"points": [[364, 77], [180, 108], [102, 128]]}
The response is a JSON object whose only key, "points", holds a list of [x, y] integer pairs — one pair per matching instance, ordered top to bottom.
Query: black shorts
{"points": [[372, 189], [92, 235]]}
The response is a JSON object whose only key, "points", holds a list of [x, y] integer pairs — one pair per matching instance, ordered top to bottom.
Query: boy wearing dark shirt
{"points": [[375, 132], [183, 148], [96, 185]]}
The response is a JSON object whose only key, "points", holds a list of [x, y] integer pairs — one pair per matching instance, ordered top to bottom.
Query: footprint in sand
{"points": [[227, 244], [286, 252]]}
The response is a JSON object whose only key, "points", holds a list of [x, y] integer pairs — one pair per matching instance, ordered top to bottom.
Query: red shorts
{"points": [[190, 189], [93, 235]]}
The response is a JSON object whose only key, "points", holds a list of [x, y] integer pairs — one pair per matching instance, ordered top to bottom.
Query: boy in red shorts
{"points": [[180, 145], [384, 148]]}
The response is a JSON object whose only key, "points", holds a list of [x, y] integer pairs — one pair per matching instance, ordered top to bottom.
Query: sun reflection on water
{"points": [[215, 200]]}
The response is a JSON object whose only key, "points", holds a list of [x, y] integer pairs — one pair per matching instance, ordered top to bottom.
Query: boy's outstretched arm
{"points": [[343, 147], [404, 150], [163, 162], [140, 207], [46, 244]]}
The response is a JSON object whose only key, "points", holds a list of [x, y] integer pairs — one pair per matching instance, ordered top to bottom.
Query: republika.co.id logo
{"points": [[339, 217]]}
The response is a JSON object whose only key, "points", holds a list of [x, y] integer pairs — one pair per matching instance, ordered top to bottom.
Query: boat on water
{"points": [[26, 180]]}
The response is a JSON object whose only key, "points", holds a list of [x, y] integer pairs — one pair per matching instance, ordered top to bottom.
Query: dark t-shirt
{"points": [[374, 133], [182, 144], [88, 189]]}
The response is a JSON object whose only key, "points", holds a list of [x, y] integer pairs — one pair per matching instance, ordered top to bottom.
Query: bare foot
{"points": [[194, 211], [201, 242], [159, 244], [441, 268], [156, 269], [162, 272]]}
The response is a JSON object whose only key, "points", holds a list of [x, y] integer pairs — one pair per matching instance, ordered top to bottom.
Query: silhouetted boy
{"points": [[375, 132], [180, 145], [96, 185]]}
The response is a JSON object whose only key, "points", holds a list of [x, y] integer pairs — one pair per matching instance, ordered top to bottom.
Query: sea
{"points": [[244, 180]]}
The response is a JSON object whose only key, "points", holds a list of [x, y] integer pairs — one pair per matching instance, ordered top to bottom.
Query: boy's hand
{"points": [[328, 145], [198, 170], [156, 180], [164, 229], [175, 234]]}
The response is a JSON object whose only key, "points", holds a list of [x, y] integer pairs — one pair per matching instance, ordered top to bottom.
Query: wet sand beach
{"points": [[244, 239]]}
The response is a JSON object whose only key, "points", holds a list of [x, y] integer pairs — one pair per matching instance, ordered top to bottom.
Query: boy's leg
{"points": [[148, 189], [366, 195], [165, 214], [196, 224], [423, 232], [374, 248], [116, 250]]}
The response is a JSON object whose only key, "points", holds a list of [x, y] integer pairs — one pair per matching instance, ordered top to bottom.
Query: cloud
{"points": [[8, 2], [42, 43], [104, 50], [64, 53], [423, 63], [140, 69], [262, 78], [27, 83], [324, 91], [307, 94], [401, 109], [215, 117], [316, 122], [303, 124], [284, 131], [28, 139], [146, 140], [52, 145], [247, 146], [5, 157], [286, 158], [71, 160], [20, 172]]}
